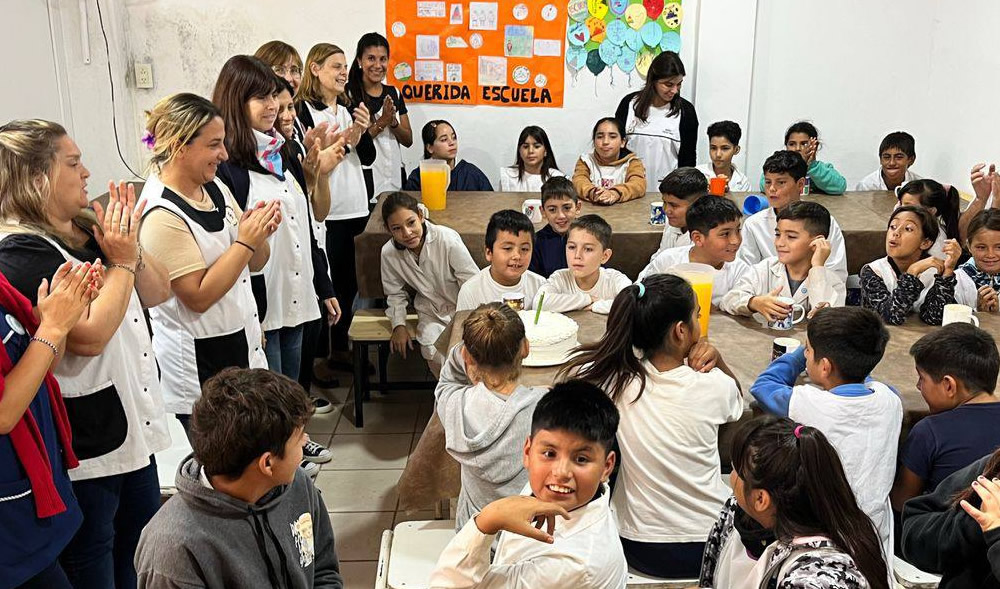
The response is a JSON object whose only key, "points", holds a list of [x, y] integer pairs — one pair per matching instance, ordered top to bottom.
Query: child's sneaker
{"points": [[321, 404], [316, 453], [311, 468]]}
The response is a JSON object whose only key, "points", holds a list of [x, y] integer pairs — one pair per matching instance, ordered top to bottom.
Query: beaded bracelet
{"points": [[123, 267], [55, 350]]}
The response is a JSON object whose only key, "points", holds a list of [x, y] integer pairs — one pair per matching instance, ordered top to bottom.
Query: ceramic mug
{"points": [[532, 209], [656, 214], [514, 300], [956, 313], [789, 320], [782, 346]]}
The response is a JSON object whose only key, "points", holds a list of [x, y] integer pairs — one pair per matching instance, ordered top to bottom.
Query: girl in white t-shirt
{"points": [[533, 165], [672, 396]]}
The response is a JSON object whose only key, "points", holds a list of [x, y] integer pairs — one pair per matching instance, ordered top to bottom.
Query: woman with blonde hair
{"points": [[283, 60], [108, 374]]}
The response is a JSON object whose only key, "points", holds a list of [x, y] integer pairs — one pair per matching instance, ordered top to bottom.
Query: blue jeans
{"points": [[284, 350], [115, 509], [51, 578]]}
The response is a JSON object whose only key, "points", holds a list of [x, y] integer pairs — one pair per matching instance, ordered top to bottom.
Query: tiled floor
{"points": [[359, 484]]}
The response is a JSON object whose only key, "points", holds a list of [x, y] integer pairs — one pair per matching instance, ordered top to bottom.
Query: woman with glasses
{"points": [[285, 61]]}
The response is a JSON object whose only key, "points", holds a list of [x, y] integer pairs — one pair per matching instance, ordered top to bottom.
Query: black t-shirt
{"points": [[374, 103], [26, 259]]}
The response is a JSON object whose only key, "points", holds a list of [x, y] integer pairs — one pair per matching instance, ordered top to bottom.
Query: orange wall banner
{"points": [[500, 53]]}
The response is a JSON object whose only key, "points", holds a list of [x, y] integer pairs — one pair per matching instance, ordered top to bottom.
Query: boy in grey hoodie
{"points": [[486, 414], [245, 514]]}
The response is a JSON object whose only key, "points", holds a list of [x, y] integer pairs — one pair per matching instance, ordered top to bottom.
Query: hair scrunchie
{"points": [[642, 290]]}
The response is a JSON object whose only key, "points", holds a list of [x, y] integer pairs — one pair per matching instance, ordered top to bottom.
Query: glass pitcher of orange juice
{"points": [[435, 176], [701, 277]]}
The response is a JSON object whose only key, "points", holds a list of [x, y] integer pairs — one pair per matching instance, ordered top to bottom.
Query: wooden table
{"points": [[862, 217]]}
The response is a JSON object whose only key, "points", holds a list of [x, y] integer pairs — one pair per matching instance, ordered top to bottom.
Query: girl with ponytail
{"points": [[673, 391], [788, 480]]}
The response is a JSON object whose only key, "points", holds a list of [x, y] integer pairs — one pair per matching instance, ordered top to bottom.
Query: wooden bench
{"points": [[371, 327]]}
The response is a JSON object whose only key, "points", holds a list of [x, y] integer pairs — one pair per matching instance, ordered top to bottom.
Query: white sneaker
{"points": [[321, 404], [316, 453], [311, 468]]}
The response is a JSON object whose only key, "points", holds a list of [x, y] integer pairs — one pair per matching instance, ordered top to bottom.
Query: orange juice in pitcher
{"points": [[435, 175], [701, 277]]}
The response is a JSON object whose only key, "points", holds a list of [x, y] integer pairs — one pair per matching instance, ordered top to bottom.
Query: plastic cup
{"points": [[701, 277]]}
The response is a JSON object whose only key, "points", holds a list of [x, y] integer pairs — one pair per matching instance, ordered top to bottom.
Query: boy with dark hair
{"points": [[723, 144], [896, 154], [784, 177], [679, 189], [560, 205], [714, 225], [510, 238], [797, 272], [586, 284], [957, 369], [485, 412], [861, 417], [569, 459], [246, 512]]}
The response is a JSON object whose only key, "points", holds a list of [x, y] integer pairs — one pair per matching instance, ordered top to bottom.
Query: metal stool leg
{"points": [[383, 365], [360, 382]]}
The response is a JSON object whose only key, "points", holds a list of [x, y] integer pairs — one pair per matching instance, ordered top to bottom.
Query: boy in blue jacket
{"points": [[560, 205]]}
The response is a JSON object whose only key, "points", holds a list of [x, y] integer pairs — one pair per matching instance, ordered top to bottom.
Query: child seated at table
{"points": [[803, 138], [441, 143], [723, 145], [896, 154], [534, 163], [610, 173], [784, 177], [679, 190], [942, 202], [560, 205], [714, 225], [509, 237], [432, 261], [984, 266], [798, 271], [909, 279], [586, 284], [956, 374], [672, 394], [486, 414], [860, 416], [247, 432], [569, 459]]}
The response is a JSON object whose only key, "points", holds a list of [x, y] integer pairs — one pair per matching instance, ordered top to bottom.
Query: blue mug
{"points": [[754, 203]]}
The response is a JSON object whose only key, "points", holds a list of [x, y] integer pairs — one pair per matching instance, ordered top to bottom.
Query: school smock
{"points": [[663, 142], [387, 169], [626, 176], [464, 177], [823, 179], [876, 181], [510, 182], [737, 183], [348, 194], [672, 237], [758, 241], [549, 253], [436, 276], [979, 278], [723, 279], [821, 285], [482, 289], [563, 294], [894, 294], [190, 346], [113, 400], [862, 422], [670, 486], [585, 552], [727, 562]]}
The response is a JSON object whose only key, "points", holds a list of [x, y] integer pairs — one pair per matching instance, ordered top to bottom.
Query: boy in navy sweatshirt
{"points": [[560, 205]]}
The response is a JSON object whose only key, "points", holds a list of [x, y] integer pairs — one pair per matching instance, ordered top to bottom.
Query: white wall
{"points": [[29, 55]]}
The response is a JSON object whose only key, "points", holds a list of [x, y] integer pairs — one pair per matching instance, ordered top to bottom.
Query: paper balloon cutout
{"points": [[618, 6], [598, 8], [653, 8], [577, 10], [672, 15], [635, 16], [597, 29], [617, 31], [651, 33], [577, 34], [633, 40], [671, 41], [609, 52], [576, 57], [626, 61], [643, 61], [594, 63]]}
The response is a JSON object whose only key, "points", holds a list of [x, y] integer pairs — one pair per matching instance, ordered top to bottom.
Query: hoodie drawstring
{"points": [[258, 534], [281, 553]]}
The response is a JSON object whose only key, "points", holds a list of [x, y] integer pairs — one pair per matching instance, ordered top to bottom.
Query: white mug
{"points": [[532, 209], [956, 313], [790, 320], [783, 345]]}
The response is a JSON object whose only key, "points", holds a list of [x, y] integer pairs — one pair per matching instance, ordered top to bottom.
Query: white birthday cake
{"points": [[550, 340]]}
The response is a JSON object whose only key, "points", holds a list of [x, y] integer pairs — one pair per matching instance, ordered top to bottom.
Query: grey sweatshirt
{"points": [[485, 432], [204, 538]]}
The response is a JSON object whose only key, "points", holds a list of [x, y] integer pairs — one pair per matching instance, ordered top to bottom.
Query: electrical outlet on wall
{"points": [[143, 75]]}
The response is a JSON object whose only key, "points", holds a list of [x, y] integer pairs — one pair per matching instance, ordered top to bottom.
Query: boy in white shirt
{"points": [[723, 145], [896, 154], [784, 177], [679, 190], [714, 225], [510, 238], [798, 271], [585, 284], [861, 417], [569, 460]]}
